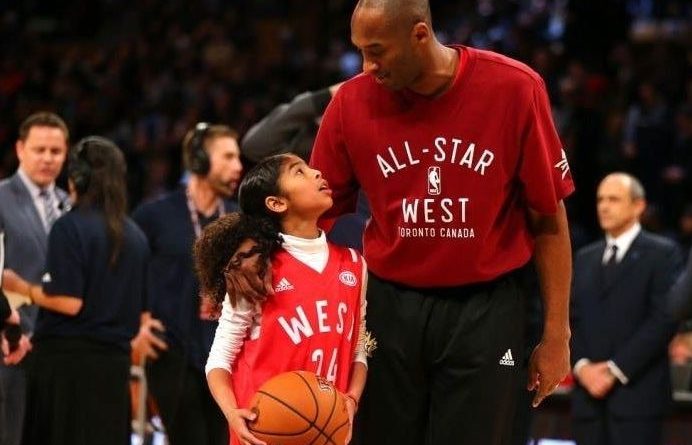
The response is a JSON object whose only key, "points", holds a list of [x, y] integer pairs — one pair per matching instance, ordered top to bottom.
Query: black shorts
{"points": [[447, 368]]}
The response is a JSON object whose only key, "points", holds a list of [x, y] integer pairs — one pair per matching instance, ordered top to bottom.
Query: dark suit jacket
{"points": [[25, 237], [627, 322]]}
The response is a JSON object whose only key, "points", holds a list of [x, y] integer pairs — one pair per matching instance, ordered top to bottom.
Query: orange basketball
{"points": [[299, 408]]}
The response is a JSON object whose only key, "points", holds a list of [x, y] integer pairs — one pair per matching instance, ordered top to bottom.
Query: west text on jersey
{"points": [[433, 210], [327, 319]]}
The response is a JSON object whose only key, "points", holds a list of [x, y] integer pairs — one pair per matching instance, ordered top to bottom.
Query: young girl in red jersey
{"points": [[313, 321]]}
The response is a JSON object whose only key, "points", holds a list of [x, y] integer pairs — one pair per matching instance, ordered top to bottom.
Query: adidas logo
{"points": [[283, 285], [507, 359]]}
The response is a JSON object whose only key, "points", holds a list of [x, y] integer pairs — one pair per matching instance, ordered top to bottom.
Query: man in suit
{"points": [[29, 204], [621, 324]]}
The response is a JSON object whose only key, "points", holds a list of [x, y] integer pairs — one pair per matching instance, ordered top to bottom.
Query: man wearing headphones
{"points": [[176, 334]]}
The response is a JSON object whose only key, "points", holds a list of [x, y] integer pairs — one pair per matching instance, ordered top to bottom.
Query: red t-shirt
{"points": [[448, 178], [310, 324]]}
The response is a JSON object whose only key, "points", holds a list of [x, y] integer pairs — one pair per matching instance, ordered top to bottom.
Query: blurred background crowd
{"points": [[142, 73]]}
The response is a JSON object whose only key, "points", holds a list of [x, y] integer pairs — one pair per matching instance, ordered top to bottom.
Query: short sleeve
{"points": [[544, 170], [65, 262]]}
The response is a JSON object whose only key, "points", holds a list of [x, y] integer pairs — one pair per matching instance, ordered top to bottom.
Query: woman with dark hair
{"points": [[90, 301]]}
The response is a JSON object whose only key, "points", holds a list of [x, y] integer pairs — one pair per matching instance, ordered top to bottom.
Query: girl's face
{"points": [[304, 192]]}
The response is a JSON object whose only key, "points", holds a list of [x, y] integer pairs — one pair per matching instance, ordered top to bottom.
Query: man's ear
{"points": [[421, 32], [19, 149], [276, 204]]}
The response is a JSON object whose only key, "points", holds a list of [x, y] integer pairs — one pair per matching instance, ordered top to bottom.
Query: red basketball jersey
{"points": [[310, 324]]}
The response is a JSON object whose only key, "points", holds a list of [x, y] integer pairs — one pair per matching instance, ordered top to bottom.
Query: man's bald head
{"points": [[400, 12], [395, 38]]}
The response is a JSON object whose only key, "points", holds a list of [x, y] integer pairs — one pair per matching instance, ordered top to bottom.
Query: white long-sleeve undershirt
{"points": [[235, 323]]}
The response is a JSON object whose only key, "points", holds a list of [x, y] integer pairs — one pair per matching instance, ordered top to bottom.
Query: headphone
{"points": [[199, 158], [79, 169]]}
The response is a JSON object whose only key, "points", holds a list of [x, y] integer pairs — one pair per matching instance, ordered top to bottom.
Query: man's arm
{"points": [[288, 127], [549, 362]]}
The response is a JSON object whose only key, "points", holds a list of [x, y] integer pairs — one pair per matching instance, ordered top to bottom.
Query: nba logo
{"points": [[434, 181]]}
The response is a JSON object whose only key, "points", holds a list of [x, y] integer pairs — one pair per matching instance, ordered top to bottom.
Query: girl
{"points": [[90, 304], [313, 320]]}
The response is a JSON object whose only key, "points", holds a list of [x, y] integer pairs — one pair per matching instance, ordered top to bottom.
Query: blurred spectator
{"points": [[142, 73], [648, 137], [676, 175], [30, 203], [90, 299], [621, 325], [176, 333]]}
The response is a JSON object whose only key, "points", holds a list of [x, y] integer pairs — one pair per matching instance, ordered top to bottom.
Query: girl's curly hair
{"points": [[214, 252]]}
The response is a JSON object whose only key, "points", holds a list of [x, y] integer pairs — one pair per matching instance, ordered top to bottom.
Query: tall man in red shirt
{"points": [[456, 150], [457, 153]]}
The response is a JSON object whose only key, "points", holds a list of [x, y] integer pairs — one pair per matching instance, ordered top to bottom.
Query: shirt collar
{"points": [[33, 188], [625, 240], [304, 245]]}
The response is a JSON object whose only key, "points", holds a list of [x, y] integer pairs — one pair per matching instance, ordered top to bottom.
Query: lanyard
{"points": [[194, 216]]}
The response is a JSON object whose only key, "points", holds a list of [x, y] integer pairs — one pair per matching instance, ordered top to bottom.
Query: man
{"points": [[29, 204], [171, 224], [444, 303], [621, 326]]}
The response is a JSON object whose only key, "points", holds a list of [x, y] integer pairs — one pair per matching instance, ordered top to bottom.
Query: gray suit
{"points": [[25, 253]]}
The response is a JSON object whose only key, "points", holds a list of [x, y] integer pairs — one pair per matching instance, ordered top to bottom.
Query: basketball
{"points": [[299, 408]]}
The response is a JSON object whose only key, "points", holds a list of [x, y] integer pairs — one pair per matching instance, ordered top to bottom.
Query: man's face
{"points": [[388, 50], [42, 154], [225, 166], [617, 211]]}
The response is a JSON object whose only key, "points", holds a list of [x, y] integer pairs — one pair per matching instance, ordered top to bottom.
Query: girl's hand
{"points": [[351, 408], [238, 419]]}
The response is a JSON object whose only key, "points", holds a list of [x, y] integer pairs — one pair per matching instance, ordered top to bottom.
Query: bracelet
{"points": [[355, 402]]}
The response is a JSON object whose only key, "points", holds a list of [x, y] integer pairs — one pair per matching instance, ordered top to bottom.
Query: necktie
{"points": [[49, 210], [611, 265]]}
